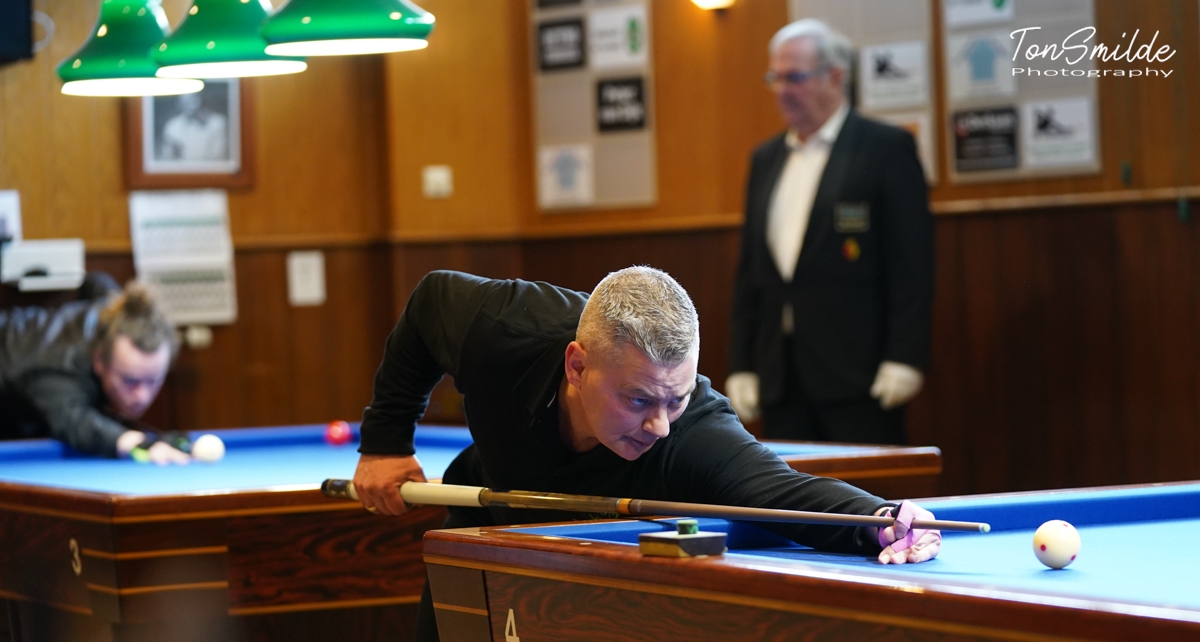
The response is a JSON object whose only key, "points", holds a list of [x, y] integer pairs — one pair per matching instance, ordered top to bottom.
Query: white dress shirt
{"points": [[791, 204]]}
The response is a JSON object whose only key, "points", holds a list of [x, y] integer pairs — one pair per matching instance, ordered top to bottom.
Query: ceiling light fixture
{"points": [[713, 4], [346, 27], [221, 39], [117, 59]]}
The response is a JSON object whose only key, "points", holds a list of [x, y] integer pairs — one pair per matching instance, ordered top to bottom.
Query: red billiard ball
{"points": [[337, 433]]}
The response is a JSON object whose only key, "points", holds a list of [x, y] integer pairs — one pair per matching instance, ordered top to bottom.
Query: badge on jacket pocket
{"points": [[851, 218], [850, 249]]}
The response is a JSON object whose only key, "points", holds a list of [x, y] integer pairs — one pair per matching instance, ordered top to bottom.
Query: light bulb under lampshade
{"points": [[713, 4], [346, 27], [221, 39], [117, 58]]}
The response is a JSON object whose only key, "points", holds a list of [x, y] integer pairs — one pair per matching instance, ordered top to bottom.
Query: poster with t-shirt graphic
{"points": [[593, 99], [1012, 112]]}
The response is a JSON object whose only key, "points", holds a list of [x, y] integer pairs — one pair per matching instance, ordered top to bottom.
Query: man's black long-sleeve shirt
{"points": [[503, 342]]}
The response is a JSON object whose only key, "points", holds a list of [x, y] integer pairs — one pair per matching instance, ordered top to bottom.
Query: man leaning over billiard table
{"points": [[83, 372], [594, 395]]}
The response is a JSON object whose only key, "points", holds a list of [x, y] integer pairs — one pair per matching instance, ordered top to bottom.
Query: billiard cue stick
{"points": [[420, 493]]}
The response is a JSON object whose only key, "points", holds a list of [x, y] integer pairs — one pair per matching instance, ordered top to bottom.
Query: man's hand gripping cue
{"points": [[378, 478]]}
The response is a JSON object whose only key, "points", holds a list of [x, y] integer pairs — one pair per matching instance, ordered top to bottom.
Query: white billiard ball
{"points": [[208, 449], [1056, 543]]}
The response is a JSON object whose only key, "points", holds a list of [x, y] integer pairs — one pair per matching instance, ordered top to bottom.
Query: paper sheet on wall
{"points": [[10, 215], [182, 248]]}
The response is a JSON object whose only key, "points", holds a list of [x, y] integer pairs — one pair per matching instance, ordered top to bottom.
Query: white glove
{"points": [[895, 384], [742, 390]]}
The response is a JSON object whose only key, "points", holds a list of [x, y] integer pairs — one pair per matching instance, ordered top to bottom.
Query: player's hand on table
{"points": [[159, 452], [163, 454], [377, 480], [902, 544]]}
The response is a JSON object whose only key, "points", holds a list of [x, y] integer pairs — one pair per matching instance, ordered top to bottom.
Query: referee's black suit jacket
{"points": [[863, 287]]}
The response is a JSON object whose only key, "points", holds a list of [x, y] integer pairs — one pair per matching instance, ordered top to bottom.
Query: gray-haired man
{"points": [[833, 294], [590, 395]]}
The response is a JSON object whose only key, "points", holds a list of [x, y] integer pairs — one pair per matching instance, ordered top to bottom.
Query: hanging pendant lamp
{"points": [[345, 27], [221, 39], [117, 59]]}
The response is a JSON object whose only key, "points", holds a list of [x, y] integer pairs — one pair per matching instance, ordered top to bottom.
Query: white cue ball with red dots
{"points": [[208, 449], [1056, 543]]}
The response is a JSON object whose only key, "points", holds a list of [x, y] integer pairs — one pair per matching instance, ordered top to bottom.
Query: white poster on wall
{"points": [[964, 13], [618, 37], [979, 65], [893, 75], [1058, 132], [565, 175], [10, 215], [182, 248], [306, 278]]}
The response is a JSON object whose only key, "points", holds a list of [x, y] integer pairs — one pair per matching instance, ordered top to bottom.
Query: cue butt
{"points": [[339, 489], [415, 493], [426, 494]]}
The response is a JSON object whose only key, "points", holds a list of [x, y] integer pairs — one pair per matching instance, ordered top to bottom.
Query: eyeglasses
{"points": [[792, 78]]}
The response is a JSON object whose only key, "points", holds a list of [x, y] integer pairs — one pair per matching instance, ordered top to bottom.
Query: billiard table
{"points": [[248, 548], [1135, 579]]}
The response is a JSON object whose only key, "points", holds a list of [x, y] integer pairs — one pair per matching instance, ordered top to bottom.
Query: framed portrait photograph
{"points": [[203, 139]]}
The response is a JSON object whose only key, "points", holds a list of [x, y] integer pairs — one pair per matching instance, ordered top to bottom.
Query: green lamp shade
{"points": [[342, 27], [221, 39], [117, 60]]}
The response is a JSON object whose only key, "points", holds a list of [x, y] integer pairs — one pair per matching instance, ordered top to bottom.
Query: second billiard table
{"points": [[248, 549], [1135, 579]]}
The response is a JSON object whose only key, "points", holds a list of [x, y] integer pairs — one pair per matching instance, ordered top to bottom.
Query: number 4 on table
{"points": [[510, 628]]}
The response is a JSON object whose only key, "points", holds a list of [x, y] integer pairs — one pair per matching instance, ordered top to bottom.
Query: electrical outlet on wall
{"points": [[437, 181]]}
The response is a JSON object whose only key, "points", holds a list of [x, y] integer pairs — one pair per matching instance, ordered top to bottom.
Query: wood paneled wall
{"points": [[462, 102], [63, 153], [321, 175], [1065, 349]]}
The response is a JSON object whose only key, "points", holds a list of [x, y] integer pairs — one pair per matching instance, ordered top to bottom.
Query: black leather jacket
{"points": [[48, 383]]}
